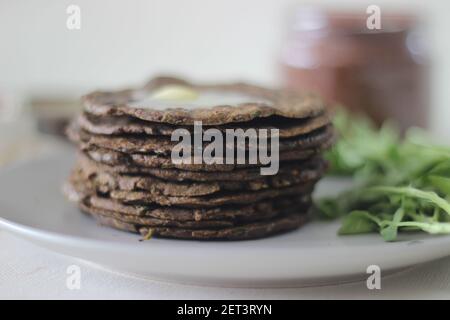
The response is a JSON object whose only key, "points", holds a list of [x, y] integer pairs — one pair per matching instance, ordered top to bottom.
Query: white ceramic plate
{"points": [[33, 207]]}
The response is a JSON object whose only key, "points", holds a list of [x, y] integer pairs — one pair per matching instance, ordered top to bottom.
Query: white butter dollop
{"points": [[187, 98]]}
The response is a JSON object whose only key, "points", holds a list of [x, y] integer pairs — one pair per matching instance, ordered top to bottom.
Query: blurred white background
{"points": [[126, 42]]}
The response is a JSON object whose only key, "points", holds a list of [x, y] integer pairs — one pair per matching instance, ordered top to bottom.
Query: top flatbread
{"points": [[254, 102]]}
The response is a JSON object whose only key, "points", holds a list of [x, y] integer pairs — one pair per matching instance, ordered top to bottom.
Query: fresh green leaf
{"points": [[440, 183], [400, 184], [430, 196], [359, 222], [389, 233]]}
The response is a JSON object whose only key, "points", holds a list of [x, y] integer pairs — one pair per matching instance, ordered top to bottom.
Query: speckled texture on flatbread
{"points": [[127, 125], [164, 146], [117, 158], [293, 168], [107, 181], [207, 201], [261, 210], [149, 221], [248, 231]]}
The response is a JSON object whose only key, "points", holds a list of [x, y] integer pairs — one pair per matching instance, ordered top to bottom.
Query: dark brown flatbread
{"points": [[266, 103], [111, 125], [163, 145], [117, 158], [293, 168], [107, 181], [141, 197], [218, 199], [244, 213], [155, 222], [190, 224], [243, 232]]}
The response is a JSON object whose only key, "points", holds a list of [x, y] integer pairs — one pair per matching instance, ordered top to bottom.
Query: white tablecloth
{"points": [[27, 271], [30, 272]]}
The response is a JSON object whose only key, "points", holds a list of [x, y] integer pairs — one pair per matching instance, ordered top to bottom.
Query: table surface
{"points": [[31, 272]]}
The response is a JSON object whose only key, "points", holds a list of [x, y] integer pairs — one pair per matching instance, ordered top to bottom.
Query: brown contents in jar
{"points": [[380, 72]]}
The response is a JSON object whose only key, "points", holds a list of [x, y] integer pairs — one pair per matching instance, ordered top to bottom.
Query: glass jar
{"points": [[380, 72]]}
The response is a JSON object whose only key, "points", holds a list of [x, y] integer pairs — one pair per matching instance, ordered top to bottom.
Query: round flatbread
{"points": [[215, 105], [116, 125], [162, 145], [117, 158], [293, 168], [107, 181], [141, 197], [217, 199], [241, 213], [149, 221], [243, 232]]}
